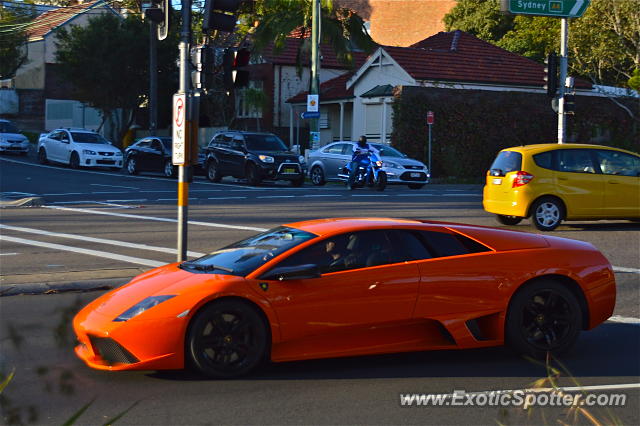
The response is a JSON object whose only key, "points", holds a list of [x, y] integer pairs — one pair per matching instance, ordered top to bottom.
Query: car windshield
{"points": [[8, 127], [83, 137], [167, 142], [258, 142], [387, 151], [245, 256]]}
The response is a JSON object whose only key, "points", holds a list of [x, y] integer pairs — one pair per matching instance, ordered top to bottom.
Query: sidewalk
{"points": [[102, 279]]}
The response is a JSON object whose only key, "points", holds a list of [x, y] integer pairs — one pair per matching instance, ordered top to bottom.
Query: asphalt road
{"points": [[105, 227]]}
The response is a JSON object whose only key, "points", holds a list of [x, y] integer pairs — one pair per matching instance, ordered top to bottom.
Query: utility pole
{"points": [[153, 78], [562, 116], [314, 124]]}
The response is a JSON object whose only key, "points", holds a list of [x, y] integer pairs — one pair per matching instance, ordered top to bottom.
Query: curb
{"points": [[61, 287]]}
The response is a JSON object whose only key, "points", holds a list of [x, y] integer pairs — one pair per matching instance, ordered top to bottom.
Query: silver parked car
{"points": [[11, 140], [325, 164]]}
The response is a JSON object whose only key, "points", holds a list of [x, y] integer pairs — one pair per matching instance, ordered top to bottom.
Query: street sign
{"points": [[556, 8], [312, 103], [307, 114], [430, 117], [179, 147]]}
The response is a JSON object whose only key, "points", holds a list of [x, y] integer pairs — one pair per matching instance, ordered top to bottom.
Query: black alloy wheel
{"points": [[42, 156], [74, 161], [132, 167], [169, 170], [251, 173], [213, 174], [317, 176], [508, 220], [543, 317], [227, 339]]}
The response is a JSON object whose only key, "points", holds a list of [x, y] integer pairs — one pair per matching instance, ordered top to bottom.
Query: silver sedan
{"points": [[325, 164]]}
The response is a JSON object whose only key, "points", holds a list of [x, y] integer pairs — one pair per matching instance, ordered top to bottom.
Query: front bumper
{"points": [[14, 146], [101, 161], [283, 171], [406, 176], [132, 345]]}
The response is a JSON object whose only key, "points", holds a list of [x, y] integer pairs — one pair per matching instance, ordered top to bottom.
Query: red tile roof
{"points": [[52, 19], [328, 57], [461, 57], [330, 90]]}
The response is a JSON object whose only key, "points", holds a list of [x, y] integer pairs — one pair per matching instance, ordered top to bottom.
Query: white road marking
{"points": [[114, 186], [112, 192], [65, 193], [322, 195], [369, 195], [418, 195], [461, 195], [276, 196], [226, 198], [128, 201], [75, 202], [158, 219], [97, 240], [9, 254], [103, 254], [626, 320]]}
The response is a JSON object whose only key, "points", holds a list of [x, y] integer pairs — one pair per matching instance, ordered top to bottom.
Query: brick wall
{"points": [[401, 22]]}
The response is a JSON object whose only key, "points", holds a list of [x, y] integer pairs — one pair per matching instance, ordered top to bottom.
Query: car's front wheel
{"points": [[42, 156], [74, 161], [132, 166], [169, 170], [213, 173], [251, 173], [317, 176], [547, 213], [508, 220], [543, 317], [227, 339]]}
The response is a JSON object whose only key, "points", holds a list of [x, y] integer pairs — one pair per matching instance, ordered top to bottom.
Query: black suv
{"points": [[253, 156]]}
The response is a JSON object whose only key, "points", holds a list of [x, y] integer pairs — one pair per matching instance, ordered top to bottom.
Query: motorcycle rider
{"points": [[361, 150]]}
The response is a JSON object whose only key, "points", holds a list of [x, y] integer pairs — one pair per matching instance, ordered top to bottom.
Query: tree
{"points": [[341, 28], [13, 40], [604, 44], [107, 61]]}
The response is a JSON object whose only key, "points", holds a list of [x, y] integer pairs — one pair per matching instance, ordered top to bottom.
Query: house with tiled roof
{"points": [[37, 81], [361, 102]]}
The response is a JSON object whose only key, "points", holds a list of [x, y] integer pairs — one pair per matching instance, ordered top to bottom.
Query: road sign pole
{"points": [[562, 117], [430, 149], [183, 183]]}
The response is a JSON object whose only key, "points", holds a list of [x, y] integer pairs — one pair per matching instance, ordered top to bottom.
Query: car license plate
{"points": [[289, 170], [415, 175], [497, 181]]}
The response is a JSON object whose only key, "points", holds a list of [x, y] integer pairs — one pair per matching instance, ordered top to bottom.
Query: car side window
{"points": [[55, 136], [64, 136], [217, 140], [143, 143], [237, 144], [156, 145], [335, 149], [348, 149], [544, 160], [575, 161], [618, 163], [443, 244], [407, 246], [344, 252]]}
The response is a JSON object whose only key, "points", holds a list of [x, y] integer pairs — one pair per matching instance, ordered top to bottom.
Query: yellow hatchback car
{"points": [[555, 182]]}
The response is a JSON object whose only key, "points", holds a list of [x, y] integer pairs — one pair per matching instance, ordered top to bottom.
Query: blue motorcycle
{"points": [[364, 170]]}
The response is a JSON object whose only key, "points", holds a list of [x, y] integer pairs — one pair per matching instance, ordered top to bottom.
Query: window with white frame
{"points": [[250, 100]]}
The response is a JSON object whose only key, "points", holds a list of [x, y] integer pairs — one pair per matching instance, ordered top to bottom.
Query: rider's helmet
{"points": [[362, 141]]}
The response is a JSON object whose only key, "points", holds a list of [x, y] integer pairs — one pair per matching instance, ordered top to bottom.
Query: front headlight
{"points": [[88, 152], [265, 158], [301, 159], [379, 163], [391, 165], [142, 306]]}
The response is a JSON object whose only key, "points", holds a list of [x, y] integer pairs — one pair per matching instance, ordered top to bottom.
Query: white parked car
{"points": [[11, 140], [78, 148]]}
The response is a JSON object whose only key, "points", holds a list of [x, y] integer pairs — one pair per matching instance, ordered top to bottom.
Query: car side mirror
{"points": [[288, 273]]}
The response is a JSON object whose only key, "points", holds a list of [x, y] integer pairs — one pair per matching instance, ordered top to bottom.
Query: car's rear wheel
{"points": [[42, 156], [74, 161], [132, 167], [168, 169], [213, 173], [251, 173], [317, 176], [416, 185], [547, 213], [508, 220], [543, 317], [227, 339]]}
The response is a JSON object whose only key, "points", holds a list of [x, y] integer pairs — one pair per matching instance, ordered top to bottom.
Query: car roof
{"points": [[74, 129], [535, 148], [331, 226]]}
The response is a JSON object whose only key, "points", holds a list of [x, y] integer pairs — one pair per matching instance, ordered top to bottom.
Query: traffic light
{"points": [[159, 11], [219, 15], [202, 57], [232, 63], [551, 74], [569, 103]]}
